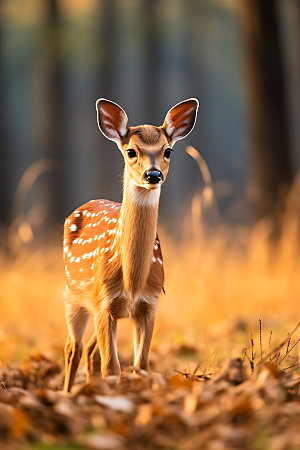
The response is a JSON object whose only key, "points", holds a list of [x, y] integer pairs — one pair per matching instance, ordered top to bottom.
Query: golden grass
{"points": [[217, 288]]}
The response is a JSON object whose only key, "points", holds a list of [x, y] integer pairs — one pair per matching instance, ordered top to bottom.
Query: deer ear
{"points": [[112, 120], [180, 120]]}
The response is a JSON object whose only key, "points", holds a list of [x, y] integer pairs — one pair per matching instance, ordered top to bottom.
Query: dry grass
{"points": [[217, 288]]}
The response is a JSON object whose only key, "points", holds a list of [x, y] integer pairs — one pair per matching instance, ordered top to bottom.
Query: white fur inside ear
{"points": [[123, 126], [169, 126], [109, 131], [175, 133]]}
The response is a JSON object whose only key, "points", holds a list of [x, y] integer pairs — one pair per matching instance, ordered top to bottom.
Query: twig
{"points": [[270, 339], [260, 340], [288, 344], [280, 345], [287, 348], [252, 351], [288, 351], [244, 354], [276, 356], [250, 361], [293, 365], [196, 369], [184, 374], [188, 375], [204, 375], [3, 383]]}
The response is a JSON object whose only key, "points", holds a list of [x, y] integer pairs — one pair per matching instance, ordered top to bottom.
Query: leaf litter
{"points": [[247, 404]]}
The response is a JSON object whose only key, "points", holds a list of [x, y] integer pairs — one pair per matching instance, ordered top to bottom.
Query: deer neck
{"points": [[137, 231]]}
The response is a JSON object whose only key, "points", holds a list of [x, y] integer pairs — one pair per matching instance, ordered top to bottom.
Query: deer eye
{"points": [[131, 153], [167, 153]]}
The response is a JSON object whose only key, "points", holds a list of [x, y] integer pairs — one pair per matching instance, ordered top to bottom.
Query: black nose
{"points": [[153, 176]]}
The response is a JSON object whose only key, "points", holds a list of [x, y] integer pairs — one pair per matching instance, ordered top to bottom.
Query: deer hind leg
{"points": [[144, 317], [77, 318], [106, 329], [93, 360]]}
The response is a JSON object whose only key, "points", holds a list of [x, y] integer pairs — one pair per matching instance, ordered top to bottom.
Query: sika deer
{"points": [[113, 260]]}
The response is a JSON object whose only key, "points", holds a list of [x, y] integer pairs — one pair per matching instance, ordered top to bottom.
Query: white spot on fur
{"points": [[77, 215], [73, 227], [66, 249], [69, 254], [113, 257], [72, 259], [159, 260]]}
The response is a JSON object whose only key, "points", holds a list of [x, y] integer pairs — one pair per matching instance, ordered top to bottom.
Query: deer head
{"points": [[146, 148]]}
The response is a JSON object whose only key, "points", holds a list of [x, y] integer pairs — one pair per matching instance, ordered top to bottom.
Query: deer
{"points": [[112, 254]]}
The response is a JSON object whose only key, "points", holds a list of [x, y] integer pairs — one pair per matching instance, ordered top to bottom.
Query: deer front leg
{"points": [[144, 317], [106, 329]]}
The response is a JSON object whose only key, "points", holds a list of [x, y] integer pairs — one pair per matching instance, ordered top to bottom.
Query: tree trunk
{"points": [[151, 22], [108, 36], [52, 111], [3, 143], [273, 174]]}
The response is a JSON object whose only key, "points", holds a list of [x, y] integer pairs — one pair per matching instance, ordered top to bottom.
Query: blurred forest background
{"points": [[241, 59]]}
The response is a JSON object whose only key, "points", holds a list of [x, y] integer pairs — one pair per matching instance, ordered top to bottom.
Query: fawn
{"points": [[113, 259]]}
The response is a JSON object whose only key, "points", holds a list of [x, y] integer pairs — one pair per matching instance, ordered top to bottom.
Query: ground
{"points": [[224, 358]]}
